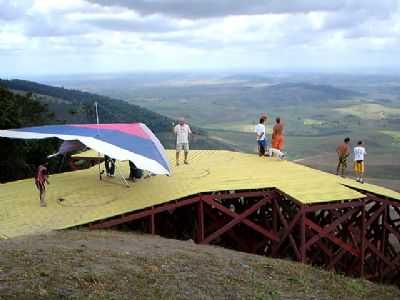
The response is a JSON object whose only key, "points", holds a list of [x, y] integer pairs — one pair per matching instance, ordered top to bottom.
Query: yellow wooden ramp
{"points": [[79, 197]]}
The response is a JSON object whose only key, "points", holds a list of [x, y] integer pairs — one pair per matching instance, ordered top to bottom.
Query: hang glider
{"points": [[134, 141]]}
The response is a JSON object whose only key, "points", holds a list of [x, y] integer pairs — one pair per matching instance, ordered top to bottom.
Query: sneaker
{"points": [[186, 162], [358, 179], [361, 181]]}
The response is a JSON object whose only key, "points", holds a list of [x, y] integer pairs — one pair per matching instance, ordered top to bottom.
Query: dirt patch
{"points": [[116, 265]]}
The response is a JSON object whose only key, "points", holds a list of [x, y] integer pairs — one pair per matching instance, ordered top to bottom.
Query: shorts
{"points": [[278, 142], [182, 146], [343, 161], [359, 166]]}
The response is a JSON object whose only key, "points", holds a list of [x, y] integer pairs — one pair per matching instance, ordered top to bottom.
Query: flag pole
{"points": [[98, 135], [98, 153]]}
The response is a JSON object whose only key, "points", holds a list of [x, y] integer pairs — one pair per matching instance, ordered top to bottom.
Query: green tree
{"points": [[19, 158]]}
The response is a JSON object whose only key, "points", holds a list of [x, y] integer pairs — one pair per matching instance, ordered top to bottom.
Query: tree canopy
{"points": [[18, 159]]}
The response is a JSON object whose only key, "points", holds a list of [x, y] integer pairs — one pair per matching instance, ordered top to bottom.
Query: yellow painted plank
{"points": [[88, 154], [376, 189], [79, 197]]}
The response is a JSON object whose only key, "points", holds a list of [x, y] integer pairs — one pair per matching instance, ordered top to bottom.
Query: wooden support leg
{"points": [[237, 219], [200, 222], [152, 227], [302, 235], [363, 237]]}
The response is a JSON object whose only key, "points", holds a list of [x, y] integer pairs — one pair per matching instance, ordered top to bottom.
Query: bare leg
{"points": [[186, 157], [177, 158], [338, 168], [361, 177], [42, 197]]}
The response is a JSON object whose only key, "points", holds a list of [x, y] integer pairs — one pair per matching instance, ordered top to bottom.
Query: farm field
{"points": [[319, 111]]}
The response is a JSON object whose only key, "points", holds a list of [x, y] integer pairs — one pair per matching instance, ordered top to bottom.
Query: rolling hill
{"points": [[74, 106]]}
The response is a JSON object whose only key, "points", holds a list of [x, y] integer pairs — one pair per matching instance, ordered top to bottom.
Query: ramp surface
{"points": [[79, 197]]}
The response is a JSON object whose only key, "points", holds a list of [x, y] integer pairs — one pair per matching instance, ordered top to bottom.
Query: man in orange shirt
{"points": [[278, 141], [343, 152]]}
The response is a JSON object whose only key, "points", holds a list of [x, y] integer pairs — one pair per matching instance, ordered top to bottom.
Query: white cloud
{"points": [[14, 9], [127, 35]]}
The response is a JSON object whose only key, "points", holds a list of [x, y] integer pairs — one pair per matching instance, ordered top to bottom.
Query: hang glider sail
{"points": [[134, 142]]}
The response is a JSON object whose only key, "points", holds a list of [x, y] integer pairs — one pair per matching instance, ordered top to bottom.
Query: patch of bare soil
{"points": [[116, 265]]}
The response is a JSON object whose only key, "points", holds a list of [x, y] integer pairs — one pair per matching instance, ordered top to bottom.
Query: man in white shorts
{"points": [[182, 131]]}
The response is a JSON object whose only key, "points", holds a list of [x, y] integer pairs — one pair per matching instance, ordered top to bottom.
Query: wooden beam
{"points": [[329, 206], [142, 214], [375, 215], [237, 219], [200, 221], [331, 227], [287, 230], [268, 234], [332, 238]]}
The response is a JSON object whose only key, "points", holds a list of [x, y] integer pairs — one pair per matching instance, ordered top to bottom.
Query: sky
{"points": [[105, 36]]}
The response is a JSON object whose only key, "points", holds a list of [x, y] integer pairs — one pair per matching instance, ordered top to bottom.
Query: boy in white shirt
{"points": [[182, 132], [260, 136], [359, 153]]}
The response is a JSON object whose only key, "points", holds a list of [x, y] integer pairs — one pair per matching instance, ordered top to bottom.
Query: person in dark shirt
{"points": [[343, 153], [109, 164], [134, 172], [41, 179]]}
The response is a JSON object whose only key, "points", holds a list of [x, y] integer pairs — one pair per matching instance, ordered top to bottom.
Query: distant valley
{"points": [[319, 110]]}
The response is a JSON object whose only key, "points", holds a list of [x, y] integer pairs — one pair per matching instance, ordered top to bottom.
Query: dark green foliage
{"points": [[42, 104], [73, 106], [77, 106], [18, 110], [18, 159]]}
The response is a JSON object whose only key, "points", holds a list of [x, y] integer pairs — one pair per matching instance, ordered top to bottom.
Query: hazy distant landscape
{"points": [[319, 110]]}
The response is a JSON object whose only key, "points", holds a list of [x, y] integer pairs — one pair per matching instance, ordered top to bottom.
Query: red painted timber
{"points": [[352, 203], [142, 214], [238, 219], [332, 226], [268, 234], [331, 237]]}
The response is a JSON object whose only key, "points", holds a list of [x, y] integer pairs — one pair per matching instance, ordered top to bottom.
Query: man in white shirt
{"points": [[182, 132], [260, 136], [359, 153]]}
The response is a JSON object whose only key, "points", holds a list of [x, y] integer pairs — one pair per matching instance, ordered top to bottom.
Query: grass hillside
{"points": [[74, 106], [79, 106], [114, 265]]}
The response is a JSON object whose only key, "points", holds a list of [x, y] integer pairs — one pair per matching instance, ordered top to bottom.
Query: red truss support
{"points": [[238, 218], [359, 237]]}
